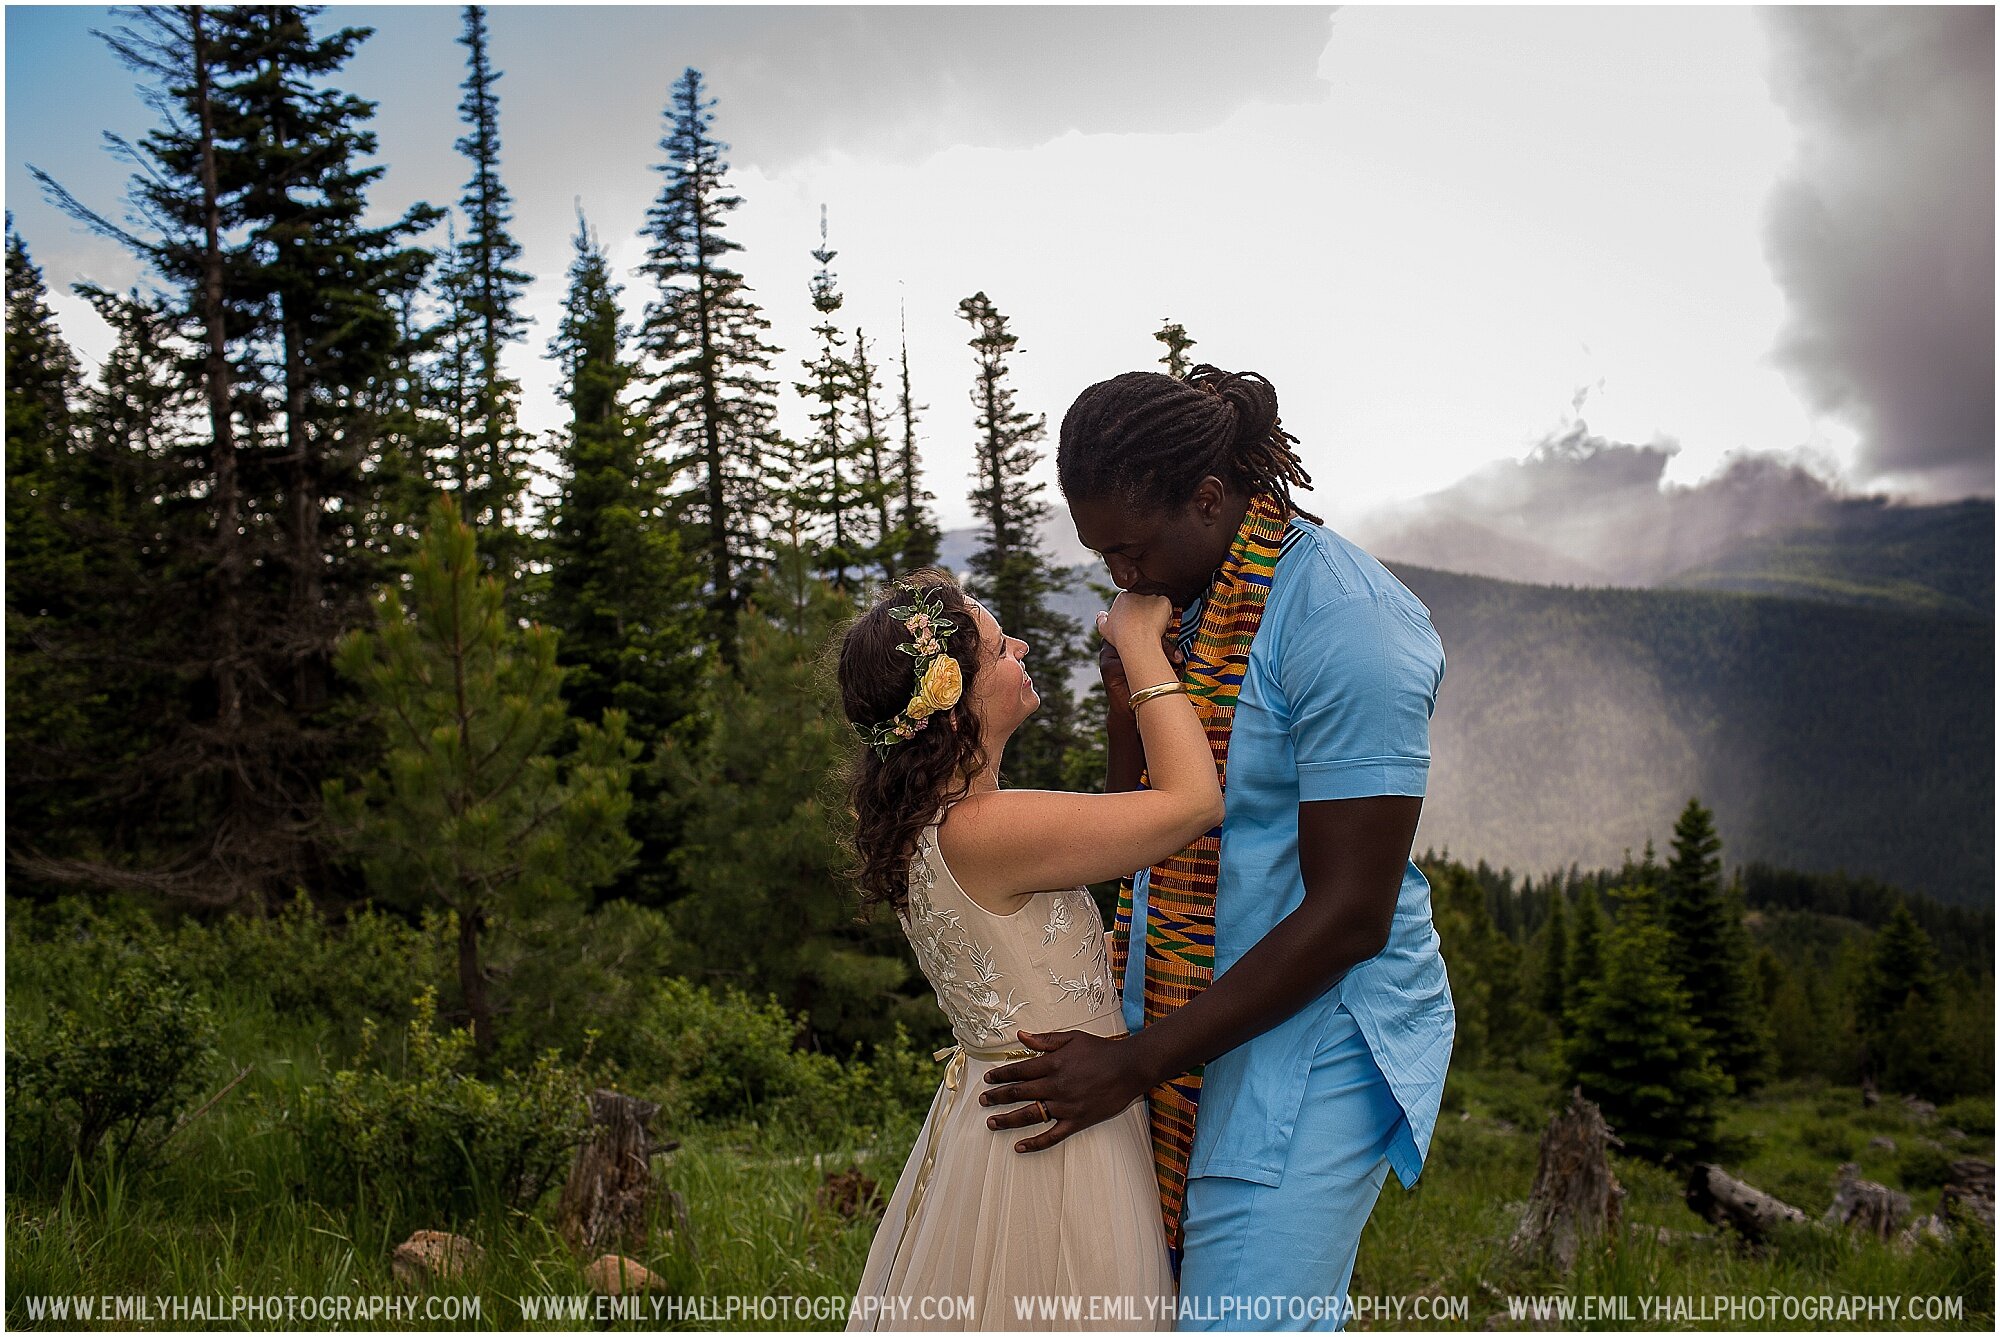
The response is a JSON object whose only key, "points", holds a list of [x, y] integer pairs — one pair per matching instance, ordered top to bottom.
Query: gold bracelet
{"points": [[1145, 694]]}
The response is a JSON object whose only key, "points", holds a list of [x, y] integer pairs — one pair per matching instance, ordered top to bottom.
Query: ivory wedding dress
{"points": [[976, 1234]]}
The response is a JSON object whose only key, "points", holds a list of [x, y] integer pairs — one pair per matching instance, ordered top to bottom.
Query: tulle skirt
{"points": [[1064, 1239]]}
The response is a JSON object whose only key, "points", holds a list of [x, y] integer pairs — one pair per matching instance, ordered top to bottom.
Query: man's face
{"points": [[1162, 552]]}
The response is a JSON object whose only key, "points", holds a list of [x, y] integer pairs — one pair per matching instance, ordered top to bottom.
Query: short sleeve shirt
{"points": [[1336, 703]]}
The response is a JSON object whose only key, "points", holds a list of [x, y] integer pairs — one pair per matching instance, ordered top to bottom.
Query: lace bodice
{"points": [[1042, 968]]}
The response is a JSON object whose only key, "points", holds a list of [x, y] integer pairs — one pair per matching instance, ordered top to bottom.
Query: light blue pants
{"points": [[1261, 1257]]}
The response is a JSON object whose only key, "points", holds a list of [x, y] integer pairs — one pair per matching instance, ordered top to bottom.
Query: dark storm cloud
{"points": [[904, 82], [1882, 236], [1584, 510]]}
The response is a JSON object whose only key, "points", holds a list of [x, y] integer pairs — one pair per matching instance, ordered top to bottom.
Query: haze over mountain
{"points": [[1584, 510], [1847, 730], [1827, 737]]}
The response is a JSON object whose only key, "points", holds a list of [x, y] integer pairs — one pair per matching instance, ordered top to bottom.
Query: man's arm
{"points": [[1125, 751], [1351, 856]]}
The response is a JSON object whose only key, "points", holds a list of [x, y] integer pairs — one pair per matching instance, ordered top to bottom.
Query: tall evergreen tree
{"points": [[328, 283], [492, 294], [278, 315], [1175, 336], [712, 405], [832, 478], [878, 481], [920, 545], [1010, 570], [623, 593], [62, 605], [472, 811], [767, 911], [1709, 950], [1586, 956], [1555, 961], [1901, 965], [1899, 1007], [1634, 1048]]}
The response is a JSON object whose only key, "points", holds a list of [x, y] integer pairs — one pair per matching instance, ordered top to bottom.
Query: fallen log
{"points": [[1724, 1200]]}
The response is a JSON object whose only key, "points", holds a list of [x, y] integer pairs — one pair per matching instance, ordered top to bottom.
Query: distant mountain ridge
{"points": [[1584, 512], [1937, 558], [1851, 730], [1827, 737]]}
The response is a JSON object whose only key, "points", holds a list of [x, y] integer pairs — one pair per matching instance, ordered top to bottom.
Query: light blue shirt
{"points": [[1336, 703]]}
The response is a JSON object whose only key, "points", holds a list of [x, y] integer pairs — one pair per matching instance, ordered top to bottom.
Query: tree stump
{"points": [[1969, 1191], [609, 1194], [1575, 1194], [1967, 1198], [1726, 1201], [1866, 1205]]}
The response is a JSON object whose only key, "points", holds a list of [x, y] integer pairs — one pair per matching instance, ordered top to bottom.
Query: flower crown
{"points": [[939, 682]]}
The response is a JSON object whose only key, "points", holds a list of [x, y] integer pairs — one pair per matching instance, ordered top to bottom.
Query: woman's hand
{"points": [[1135, 620]]}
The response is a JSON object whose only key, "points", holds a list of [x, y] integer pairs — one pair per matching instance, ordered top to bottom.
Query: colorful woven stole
{"points": [[1180, 898]]}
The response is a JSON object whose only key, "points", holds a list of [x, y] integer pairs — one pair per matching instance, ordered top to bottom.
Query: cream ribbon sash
{"points": [[954, 1077]]}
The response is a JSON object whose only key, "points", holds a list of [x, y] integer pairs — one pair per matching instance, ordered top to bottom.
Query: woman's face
{"points": [[1003, 693]]}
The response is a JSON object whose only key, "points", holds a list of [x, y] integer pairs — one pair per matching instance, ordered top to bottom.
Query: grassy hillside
{"points": [[1574, 723], [227, 1215]]}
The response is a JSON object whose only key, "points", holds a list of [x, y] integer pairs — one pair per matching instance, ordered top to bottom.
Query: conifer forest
{"points": [[384, 778]]}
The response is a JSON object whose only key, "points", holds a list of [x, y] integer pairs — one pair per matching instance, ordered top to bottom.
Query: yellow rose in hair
{"points": [[941, 686]]}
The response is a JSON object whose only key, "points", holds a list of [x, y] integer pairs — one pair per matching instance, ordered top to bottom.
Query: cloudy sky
{"points": [[1448, 236]]}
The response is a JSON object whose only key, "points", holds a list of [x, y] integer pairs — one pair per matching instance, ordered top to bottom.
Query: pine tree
{"points": [[328, 282], [492, 298], [1175, 336], [711, 406], [832, 480], [878, 481], [265, 517], [914, 519], [1010, 572], [58, 594], [623, 594], [471, 810], [767, 910], [1710, 950], [1555, 961], [1901, 964], [1585, 966], [1900, 1009], [1634, 1049]]}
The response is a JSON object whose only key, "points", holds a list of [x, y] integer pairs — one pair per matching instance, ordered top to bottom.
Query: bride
{"points": [[984, 881]]}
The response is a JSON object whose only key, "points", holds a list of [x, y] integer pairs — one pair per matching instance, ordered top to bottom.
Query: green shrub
{"points": [[61, 954], [301, 963], [569, 971], [724, 1058], [110, 1078], [1969, 1114], [1828, 1138], [429, 1142], [1922, 1166]]}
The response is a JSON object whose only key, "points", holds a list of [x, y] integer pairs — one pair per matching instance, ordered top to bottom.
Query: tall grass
{"points": [[227, 1210]]}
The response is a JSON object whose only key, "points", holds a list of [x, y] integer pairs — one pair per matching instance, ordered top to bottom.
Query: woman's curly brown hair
{"points": [[894, 797]]}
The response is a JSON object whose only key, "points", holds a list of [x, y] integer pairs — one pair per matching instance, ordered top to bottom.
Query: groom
{"points": [[1286, 985]]}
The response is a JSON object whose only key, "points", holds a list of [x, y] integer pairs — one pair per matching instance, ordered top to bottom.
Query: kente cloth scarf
{"points": [[1180, 898]]}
